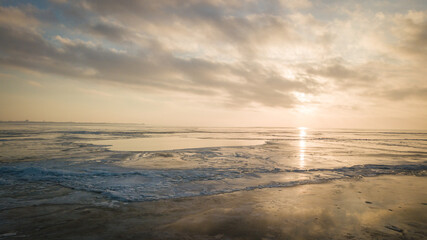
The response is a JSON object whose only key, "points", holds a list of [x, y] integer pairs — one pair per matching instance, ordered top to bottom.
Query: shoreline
{"points": [[382, 207]]}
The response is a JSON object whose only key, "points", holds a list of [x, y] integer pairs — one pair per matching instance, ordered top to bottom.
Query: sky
{"points": [[240, 63]]}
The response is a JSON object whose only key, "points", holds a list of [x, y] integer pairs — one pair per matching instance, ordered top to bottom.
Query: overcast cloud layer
{"points": [[307, 55]]}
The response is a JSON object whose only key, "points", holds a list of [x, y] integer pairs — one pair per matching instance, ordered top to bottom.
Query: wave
{"points": [[144, 185]]}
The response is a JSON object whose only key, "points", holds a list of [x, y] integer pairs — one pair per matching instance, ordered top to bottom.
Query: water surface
{"points": [[172, 143], [131, 163]]}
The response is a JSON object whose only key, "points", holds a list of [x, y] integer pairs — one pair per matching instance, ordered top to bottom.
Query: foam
{"points": [[49, 155], [141, 185]]}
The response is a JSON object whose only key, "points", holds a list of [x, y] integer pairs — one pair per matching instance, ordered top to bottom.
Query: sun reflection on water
{"points": [[302, 135]]}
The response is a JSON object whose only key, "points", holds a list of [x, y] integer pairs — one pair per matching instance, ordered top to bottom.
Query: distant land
{"points": [[47, 122]]}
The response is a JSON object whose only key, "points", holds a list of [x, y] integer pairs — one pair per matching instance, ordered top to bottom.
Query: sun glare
{"points": [[302, 132]]}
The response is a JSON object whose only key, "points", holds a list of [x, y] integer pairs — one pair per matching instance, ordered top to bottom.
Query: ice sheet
{"points": [[172, 143], [76, 157]]}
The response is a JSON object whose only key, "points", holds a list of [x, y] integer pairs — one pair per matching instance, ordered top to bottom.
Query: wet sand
{"points": [[386, 207]]}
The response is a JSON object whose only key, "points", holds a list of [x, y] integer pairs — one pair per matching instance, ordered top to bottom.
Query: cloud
{"points": [[58, 1], [296, 4], [23, 16], [235, 23], [411, 30], [109, 31], [19, 43], [245, 53], [157, 70], [344, 76], [34, 83], [94, 92], [405, 93]]}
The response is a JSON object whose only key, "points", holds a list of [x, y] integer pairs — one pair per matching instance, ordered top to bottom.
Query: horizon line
{"points": [[186, 126]]}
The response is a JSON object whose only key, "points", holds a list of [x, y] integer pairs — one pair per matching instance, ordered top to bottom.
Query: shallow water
{"points": [[172, 143], [36, 158]]}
